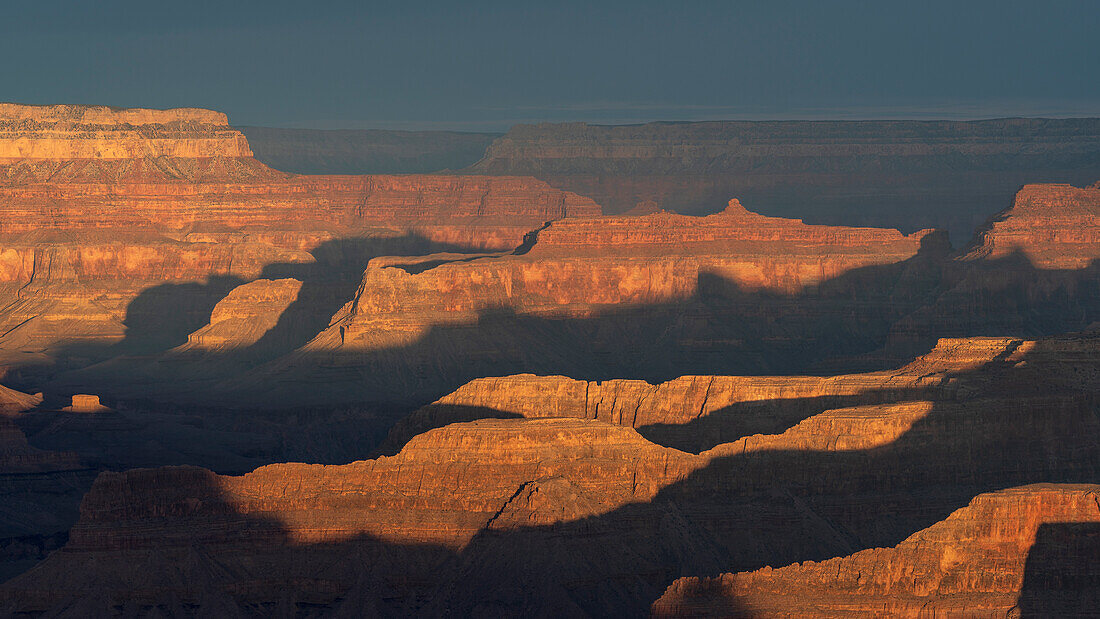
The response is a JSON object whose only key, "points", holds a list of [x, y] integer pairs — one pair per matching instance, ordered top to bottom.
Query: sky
{"points": [[486, 65]]}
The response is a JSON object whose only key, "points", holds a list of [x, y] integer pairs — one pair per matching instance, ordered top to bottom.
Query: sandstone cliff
{"points": [[99, 132], [896, 174], [105, 212], [1054, 226], [584, 282], [662, 295], [694, 413], [579, 516], [986, 559]]}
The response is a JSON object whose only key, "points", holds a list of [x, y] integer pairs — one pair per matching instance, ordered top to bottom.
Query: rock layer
{"points": [[98, 132], [897, 174], [105, 212], [1054, 226], [576, 271], [577, 515], [974, 563]]}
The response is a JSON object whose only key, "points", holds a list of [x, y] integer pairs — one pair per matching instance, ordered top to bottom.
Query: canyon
{"points": [[895, 174], [233, 390], [608, 519]]}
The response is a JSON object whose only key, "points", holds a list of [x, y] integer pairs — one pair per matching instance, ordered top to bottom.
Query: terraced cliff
{"points": [[893, 174], [100, 206], [582, 516], [1031, 550]]}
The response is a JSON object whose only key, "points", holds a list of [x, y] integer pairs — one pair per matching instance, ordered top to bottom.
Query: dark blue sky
{"points": [[486, 65]]}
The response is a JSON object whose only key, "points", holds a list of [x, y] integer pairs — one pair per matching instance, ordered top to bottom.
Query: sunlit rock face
{"points": [[65, 132], [100, 206], [1054, 226], [581, 283], [623, 405], [588, 515], [974, 563]]}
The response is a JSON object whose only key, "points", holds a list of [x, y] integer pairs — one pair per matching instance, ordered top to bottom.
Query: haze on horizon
{"points": [[485, 65]]}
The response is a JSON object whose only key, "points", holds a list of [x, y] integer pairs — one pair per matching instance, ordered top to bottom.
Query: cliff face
{"points": [[98, 132], [896, 174], [104, 212], [1054, 226], [590, 281], [662, 295], [694, 413], [39, 490], [575, 515], [976, 562]]}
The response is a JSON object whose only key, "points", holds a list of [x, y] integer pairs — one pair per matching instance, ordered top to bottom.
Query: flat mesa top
{"points": [[105, 115]]}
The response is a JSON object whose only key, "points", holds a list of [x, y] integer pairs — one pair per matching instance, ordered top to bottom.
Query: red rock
{"points": [[895, 174], [98, 205], [1054, 226], [578, 515], [971, 564]]}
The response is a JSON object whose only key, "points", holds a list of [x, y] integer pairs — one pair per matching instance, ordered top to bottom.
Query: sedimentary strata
{"points": [[896, 174], [576, 515], [1031, 550]]}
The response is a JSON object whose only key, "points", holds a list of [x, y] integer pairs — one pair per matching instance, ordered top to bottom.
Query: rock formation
{"points": [[65, 132], [895, 174], [99, 206], [1054, 226], [598, 281], [656, 296], [612, 407], [694, 413], [39, 490], [574, 515], [983, 560]]}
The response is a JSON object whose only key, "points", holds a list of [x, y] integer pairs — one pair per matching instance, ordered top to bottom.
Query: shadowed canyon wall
{"points": [[896, 174], [99, 205], [581, 516], [973, 563]]}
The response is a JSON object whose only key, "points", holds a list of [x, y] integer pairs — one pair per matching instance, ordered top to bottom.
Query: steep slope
{"points": [[896, 174], [101, 206], [1054, 226], [417, 328], [39, 490], [573, 515], [986, 559]]}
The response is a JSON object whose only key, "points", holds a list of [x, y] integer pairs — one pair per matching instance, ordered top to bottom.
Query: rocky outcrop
{"points": [[63, 132], [895, 174], [105, 212], [1054, 226], [578, 275], [246, 314], [694, 413], [39, 490], [576, 515], [985, 559]]}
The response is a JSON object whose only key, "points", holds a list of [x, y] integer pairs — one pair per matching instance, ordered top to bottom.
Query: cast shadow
{"points": [[1062, 574]]}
